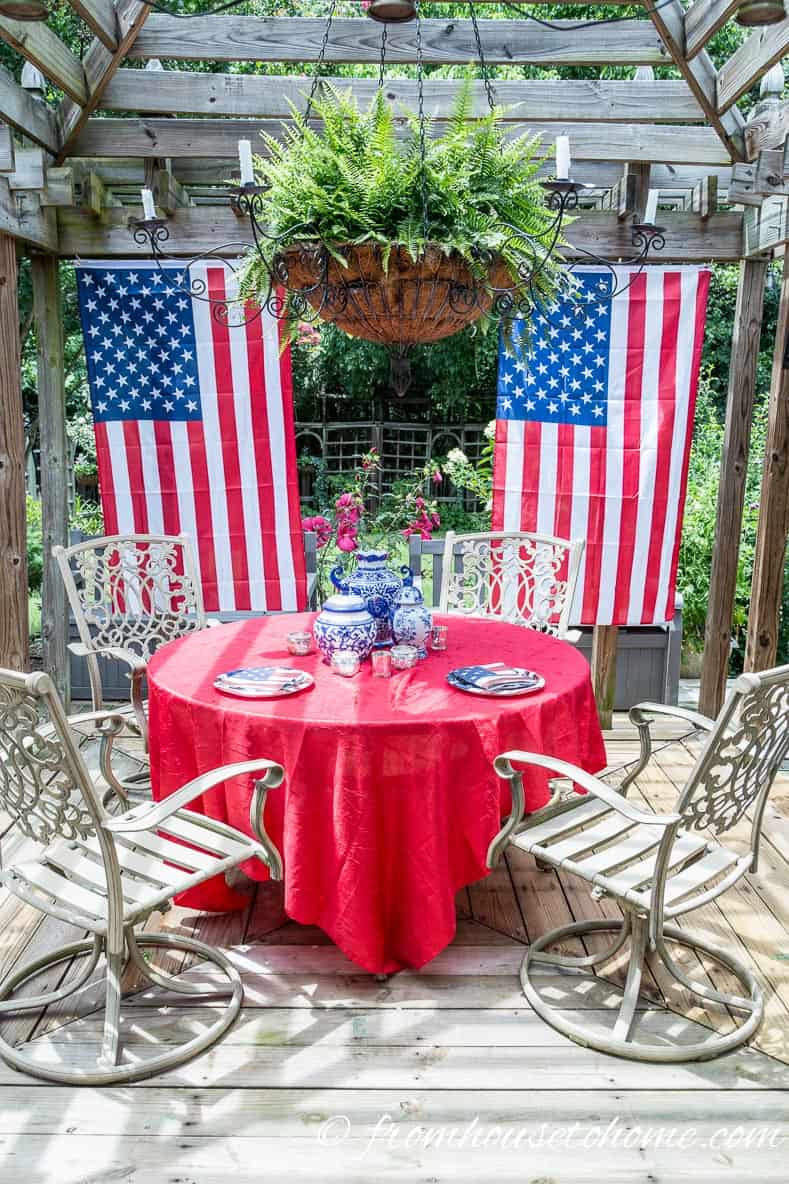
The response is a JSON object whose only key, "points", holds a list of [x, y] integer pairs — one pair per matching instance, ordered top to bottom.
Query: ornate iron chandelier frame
{"points": [[285, 301]]}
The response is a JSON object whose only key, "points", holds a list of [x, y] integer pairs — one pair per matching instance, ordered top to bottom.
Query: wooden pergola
{"points": [[70, 175]]}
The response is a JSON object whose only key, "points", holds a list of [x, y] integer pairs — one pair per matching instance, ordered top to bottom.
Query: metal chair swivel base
{"points": [[620, 1040], [111, 1069]]}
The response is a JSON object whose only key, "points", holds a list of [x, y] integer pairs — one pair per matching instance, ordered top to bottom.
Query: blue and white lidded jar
{"points": [[379, 586], [412, 619], [344, 623]]}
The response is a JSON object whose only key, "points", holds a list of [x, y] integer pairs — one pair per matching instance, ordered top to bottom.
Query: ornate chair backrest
{"points": [[527, 579], [134, 591], [741, 756], [44, 784]]}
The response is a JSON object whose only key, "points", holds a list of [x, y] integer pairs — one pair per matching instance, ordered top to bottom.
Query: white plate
{"points": [[251, 682], [491, 694]]}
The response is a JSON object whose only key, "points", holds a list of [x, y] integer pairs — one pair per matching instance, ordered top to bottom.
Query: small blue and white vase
{"points": [[379, 586], [412, 619], [344, 623]]}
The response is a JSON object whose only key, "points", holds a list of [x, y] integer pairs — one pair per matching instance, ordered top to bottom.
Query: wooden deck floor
{"points": [[331, 1075]]}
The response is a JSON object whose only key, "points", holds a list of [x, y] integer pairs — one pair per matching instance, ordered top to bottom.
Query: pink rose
{"points": [[437, 478]]}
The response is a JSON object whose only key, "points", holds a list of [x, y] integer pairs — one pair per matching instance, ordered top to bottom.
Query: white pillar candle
{"points": [[562, 158], [245, 161], [148, 208], [650, 214]]}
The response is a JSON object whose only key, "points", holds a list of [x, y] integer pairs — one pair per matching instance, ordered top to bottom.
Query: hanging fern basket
{"points": [[394, 301]]}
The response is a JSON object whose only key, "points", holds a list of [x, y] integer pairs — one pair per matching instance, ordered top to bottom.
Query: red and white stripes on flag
{"points": [[194, 428], [618, 483]]}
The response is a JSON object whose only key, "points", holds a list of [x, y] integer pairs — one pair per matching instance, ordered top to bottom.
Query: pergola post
{"points": [[48, 316], [746, 334], [13, 534], [768, 569]]}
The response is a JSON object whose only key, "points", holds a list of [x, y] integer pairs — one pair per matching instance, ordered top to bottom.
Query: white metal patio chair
{"points": [[527, 579], [129, 594], [657, 867], [107, 873]]}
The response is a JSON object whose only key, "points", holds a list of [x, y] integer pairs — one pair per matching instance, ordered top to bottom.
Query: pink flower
{"points": [[437, 478], [320, 526]]}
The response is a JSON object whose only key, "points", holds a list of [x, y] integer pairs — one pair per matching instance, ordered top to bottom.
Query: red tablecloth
{"points": [[390, 799]]}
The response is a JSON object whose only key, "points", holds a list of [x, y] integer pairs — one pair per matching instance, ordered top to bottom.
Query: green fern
{"points": [[359, 179]]}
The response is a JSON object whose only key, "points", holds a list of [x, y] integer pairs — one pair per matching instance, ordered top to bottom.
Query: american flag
{"points": [[194, 428], [593, 429]]}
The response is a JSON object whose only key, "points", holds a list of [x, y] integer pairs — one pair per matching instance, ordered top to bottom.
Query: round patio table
{"points": [[390, 799]]}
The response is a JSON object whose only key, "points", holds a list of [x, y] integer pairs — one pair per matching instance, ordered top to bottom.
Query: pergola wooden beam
{"points": [[101, 18], [703, 19], [445, 42], [39, 45], [753, 59], [100, 64], [700, 74], [185, 92], [29, 116], [219, 137], [21, 217], [202, 228], [48, 313], [746, 336], [13, 546], [768, 565]]}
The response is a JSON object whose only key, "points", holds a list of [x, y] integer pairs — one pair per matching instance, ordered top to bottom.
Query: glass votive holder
{"points": [[438, 637], [299, 643], [404, 656], [345, 662], [382, 663]]}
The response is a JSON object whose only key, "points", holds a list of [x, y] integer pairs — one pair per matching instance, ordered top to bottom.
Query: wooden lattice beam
{"points": [[100, 16], [703, 19], [292, 39], [39, 45], [753, 59], [100, 64], [700, 75], [190, 93], [28, 115], [175, 138], [207, 227]]}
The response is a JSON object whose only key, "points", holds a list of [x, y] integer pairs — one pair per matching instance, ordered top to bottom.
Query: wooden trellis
{"points": [[70, 174]]}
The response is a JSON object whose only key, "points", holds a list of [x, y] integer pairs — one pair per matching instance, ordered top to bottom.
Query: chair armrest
{"points": [[136, 664], [640, 713], [97, 717], [593, 785], [148, 817]]}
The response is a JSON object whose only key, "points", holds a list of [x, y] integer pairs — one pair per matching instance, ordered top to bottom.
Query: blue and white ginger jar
{"points": [[379, 586], [412, 619], [344, 623]]}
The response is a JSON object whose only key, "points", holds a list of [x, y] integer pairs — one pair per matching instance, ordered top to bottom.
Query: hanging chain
{"points": [[384, 35], [319, 64], [483, 65], [420, 90]]}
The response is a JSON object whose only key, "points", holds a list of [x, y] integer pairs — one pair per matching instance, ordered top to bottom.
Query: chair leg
{"points": [[638, 948], [620, 1039], [110, 1049], [111, 1068]]}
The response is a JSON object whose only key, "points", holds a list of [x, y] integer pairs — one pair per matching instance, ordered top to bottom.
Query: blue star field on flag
{"points": [[140, 345], [561, 375]]}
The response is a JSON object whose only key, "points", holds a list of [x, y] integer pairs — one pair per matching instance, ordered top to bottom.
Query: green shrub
{"points": [[35, 545]]}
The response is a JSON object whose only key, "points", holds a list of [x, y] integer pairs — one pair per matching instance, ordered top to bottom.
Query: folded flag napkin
{"points": [[495, 676], [264, 680]]}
